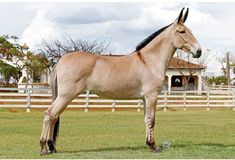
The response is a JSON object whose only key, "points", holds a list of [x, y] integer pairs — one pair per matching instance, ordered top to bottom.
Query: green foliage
{"points": [[9, 47], [11, 50], [38, 65], [7, 71], [218, 80], [113, 135]]}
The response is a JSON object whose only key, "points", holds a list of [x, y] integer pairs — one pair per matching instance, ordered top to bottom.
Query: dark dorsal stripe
{"points": [[150, 38], [140, 57]]}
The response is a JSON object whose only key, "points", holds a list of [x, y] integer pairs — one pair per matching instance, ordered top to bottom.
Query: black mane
{"points": [[150, 38]]}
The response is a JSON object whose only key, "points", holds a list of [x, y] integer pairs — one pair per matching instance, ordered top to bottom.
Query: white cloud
{"points": [[40, 28]]}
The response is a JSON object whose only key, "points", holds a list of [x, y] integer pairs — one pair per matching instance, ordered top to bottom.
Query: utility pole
{"points": [[228, 68]]}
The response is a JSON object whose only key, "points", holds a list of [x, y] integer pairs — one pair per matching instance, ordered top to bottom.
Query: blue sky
{"points": [[123, 24]]}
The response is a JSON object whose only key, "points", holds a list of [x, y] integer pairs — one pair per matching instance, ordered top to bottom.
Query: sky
{"points": [[123, 25]]}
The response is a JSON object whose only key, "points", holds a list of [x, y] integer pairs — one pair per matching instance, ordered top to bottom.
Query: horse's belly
{"points": [[116, 91], [117, 95]]}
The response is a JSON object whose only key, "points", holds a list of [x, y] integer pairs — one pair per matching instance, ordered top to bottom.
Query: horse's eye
{"points": [[182, 32]]}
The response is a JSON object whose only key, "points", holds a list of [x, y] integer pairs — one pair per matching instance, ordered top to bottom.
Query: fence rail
{"points": [[41, 98]]}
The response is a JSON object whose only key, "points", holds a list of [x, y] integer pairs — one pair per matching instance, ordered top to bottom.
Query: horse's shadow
{"points": [[145, 147], [107, 149]]}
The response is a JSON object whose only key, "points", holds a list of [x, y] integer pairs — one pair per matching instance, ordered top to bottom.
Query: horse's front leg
{"points": [[149, 118]]}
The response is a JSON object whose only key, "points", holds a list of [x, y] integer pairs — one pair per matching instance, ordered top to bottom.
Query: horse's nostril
{"points": [[199, 52]]}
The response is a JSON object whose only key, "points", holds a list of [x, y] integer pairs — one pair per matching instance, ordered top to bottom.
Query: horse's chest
{"points": [[153, 82]]}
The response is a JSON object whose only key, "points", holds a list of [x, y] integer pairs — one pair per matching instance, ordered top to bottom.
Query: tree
{"points": [[57, 48], [21, 57], [224, 64], [38, 65], [8, 72], [217, 80]]}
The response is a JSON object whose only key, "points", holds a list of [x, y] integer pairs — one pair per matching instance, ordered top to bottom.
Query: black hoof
{"points": [[51, 146], [52, 150]]}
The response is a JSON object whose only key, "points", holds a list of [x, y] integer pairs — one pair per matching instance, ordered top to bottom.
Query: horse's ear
{"points": [[185, 15], [179, 19]]}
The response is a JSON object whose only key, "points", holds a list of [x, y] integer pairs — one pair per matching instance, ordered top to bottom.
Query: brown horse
{"points": [[137, 75]]}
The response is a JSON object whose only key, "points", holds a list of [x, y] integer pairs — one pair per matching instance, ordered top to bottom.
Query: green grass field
{"points": [[192, 133]]}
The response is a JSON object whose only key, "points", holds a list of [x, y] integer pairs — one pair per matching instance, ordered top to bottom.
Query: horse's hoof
{"points": [[51, 147], [153, 147], [52, 150], [157, 150], [44, 152]]}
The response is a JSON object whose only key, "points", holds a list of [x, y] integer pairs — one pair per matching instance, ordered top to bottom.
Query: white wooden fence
{"points": [[41, 98]]}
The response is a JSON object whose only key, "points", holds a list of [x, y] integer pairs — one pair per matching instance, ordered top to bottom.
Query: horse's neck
{"points": [[159, 54]]}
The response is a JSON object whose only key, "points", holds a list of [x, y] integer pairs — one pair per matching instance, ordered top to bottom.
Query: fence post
{"points": [[233, 93], [28, 100], [87, 100], [184, 100], [208, 100], [228, 100], [165, 101], [113, 105], [139, 105]]}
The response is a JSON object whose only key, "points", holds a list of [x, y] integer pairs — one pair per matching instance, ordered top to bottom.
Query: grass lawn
{"points": [[102, 134]]}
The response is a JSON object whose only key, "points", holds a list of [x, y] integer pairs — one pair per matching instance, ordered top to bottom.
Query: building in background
{"points": [[182, 75]]}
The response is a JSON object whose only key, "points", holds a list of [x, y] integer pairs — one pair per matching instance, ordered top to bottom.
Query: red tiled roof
{"points": [[179, 63]]}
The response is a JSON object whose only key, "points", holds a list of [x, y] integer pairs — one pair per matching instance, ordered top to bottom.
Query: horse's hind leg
{"points": [[51, 115], [49, 122], [45, 128], [50, 141]]}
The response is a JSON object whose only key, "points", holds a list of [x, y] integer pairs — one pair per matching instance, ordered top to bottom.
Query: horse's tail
{"points": [[54, 95]]}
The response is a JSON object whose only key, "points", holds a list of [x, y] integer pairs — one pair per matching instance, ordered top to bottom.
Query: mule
{"points": [[139, 75]]}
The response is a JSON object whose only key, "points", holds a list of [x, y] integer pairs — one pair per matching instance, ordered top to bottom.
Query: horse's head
{"points": [[183, 38]]}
